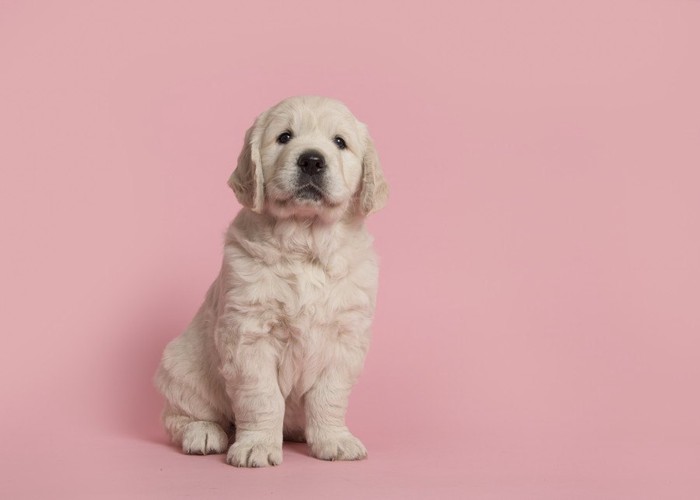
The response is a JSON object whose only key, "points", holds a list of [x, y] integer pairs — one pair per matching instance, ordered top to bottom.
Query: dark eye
{"points": [[284, 137], [340, 142]]}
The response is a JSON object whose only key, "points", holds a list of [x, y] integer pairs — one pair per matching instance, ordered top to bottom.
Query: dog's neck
{"points": [[311, 239]]}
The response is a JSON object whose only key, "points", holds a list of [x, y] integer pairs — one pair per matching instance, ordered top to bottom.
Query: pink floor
{"points": [[111, 466]]}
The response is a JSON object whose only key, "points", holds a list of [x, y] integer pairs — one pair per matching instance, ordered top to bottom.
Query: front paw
{"points": [[338, 446], [254, 452]]}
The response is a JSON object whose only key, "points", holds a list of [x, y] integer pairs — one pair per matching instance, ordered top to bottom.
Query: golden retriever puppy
{"points": [[276, 347]]}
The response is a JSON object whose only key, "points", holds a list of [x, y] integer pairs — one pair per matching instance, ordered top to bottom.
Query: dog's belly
{"points": [[325, 314], [308, 339], [307, 348]]}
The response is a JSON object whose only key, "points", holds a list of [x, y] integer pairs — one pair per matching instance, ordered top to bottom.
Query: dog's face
{"points": [[308, 157]]}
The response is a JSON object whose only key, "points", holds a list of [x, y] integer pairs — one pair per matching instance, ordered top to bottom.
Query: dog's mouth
{"points": [[309, 192], [308, 196]]}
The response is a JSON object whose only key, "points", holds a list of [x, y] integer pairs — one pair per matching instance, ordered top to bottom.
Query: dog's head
{"points": [[309, 157]]}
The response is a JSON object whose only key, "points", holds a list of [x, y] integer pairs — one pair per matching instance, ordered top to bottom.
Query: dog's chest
{"points": [[310, 295], [325, 311]]}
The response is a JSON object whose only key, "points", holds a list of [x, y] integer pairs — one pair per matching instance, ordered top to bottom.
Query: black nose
{"points": [[311, 162]]}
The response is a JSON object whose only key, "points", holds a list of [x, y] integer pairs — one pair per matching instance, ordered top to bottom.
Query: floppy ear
{"points": [[247, 180], [374, 191]]}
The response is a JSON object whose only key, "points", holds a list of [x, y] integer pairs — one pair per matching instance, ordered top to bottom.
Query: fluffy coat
{"points": [[281, 337]]}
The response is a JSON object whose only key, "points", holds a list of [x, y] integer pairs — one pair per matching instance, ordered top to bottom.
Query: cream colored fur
{"points": [[283, 331]]}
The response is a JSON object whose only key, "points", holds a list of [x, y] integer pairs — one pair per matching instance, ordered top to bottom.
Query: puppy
{"points": [[276, 347]]}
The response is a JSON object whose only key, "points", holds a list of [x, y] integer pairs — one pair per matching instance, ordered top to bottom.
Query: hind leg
{"points": [[197, 411], [194, 415], [196, 436]]}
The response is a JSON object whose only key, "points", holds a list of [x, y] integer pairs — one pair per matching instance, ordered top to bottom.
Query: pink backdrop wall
{"points": [[539, 312]]}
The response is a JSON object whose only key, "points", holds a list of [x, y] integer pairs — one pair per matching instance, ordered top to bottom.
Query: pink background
{"points": [[538, 325]]}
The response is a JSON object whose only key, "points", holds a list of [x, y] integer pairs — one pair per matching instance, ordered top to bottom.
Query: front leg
{"points": [[325, 405], [258, 407]]}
